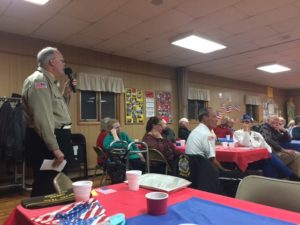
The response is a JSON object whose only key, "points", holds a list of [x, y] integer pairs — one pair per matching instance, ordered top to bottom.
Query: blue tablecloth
{"points": [[225, 140], [295, 145], [201, 212]]}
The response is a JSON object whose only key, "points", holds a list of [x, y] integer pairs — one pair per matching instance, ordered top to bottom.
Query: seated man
{"points": [[223, 129], [183, 131], [295, 131], [168, 132], [274, 135], [201, 141], [136, 160], [272, 167]]}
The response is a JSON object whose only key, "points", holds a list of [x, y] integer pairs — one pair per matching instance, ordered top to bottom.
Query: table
{"points": [[294, 144], [241, 156], [134, 203]]}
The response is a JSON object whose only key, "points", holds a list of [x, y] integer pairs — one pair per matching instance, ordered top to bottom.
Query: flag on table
{"points": [[237, 107], [228, 108], [219, 115], [78, 213]]}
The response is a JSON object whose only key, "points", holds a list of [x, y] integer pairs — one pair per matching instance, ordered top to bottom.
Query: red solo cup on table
{"points": [[157, 203]]}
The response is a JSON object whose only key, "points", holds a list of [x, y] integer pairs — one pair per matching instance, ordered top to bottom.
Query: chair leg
{"points": [[96, 168]]}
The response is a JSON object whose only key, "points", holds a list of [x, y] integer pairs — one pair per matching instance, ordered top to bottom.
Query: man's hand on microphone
{"points": [[68, 88], [59, 157]]}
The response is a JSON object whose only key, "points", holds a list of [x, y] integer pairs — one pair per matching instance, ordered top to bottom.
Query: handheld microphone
{"points": [[68, 71]]}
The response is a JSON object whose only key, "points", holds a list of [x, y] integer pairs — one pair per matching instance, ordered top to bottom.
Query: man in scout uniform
{"points": [[48, 119]]}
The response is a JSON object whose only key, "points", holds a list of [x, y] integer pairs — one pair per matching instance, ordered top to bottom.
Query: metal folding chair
{"points": [[143, 149]]}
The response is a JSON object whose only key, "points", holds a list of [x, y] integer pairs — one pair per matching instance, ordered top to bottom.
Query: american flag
{"points": [[237, 107], [228, 108], [219, 115], [78, 213]]}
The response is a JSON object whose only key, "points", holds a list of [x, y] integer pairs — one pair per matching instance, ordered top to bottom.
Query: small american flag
{"points": [[237, 107], [228, 108], [219, 115], [78, 213]]}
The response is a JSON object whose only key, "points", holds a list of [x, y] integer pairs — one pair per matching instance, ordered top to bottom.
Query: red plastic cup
{"points": [[157, 203]]}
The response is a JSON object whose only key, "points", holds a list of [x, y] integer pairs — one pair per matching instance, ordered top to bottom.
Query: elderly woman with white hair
{"points": [[183, 131]]}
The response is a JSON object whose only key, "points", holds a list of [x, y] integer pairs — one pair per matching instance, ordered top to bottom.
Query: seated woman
{"points": [[183, 131], [101, 136], [155, 140], [136, 160], [272, 167]]}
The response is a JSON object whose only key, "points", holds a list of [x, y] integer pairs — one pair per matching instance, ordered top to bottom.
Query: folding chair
{"points": [[144, 150], [157, 157], [101, 166], [62, 183], [277, 193]]}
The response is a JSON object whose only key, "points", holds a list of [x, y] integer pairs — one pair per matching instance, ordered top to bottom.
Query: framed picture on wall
{"points": [[163, 105], [134, 106]]}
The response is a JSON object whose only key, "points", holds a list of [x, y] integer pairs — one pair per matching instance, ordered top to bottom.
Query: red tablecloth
{"points": [[240, 156], [134, 203]]}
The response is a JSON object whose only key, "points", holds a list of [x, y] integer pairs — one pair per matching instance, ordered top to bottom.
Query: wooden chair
{"points": [[157, 156], [101, 166], [62, 183], [277, 193]]}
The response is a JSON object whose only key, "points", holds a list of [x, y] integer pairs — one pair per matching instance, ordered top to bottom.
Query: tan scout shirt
{"points": [[44, 106]]}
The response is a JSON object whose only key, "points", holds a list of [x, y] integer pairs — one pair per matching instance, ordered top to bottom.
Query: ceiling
{"points": [[255, 32]]}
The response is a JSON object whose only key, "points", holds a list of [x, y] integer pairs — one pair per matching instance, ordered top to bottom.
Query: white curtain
{"points": [[97, 82], [199, 94], [252, 100]]}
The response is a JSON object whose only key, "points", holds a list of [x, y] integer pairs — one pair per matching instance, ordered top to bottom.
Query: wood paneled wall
{"points": [[17, 61]]}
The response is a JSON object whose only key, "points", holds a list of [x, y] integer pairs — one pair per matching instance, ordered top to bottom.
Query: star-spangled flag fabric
{"points": [[237, 107], [229, 108], [219, 115], [78, 213]]}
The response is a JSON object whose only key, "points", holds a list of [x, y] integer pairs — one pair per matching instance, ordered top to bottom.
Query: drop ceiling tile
{"points": [[200, 8], [92, 10], [143, 10], [34, 13], [160, 24], [110, 25], [17, 26], [59, 28], [82, 41], [119, 41], [130, 52]]}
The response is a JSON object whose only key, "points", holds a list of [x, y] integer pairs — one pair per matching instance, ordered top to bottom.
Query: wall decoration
{"points": [[163, 103], [134, 106], [150, 106]]}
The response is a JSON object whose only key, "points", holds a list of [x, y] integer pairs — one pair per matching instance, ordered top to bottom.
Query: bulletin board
{"points": [[163, 105], [134, 106]]}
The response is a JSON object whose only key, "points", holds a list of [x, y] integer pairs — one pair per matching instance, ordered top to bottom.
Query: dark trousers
{"points": [[36, 152]]}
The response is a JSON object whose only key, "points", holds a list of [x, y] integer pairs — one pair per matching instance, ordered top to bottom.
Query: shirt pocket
{"points": [[57, 101]]}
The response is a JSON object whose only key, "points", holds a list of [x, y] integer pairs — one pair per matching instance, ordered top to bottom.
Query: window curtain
{"points": [[96, 82], [199, 94], [252, 100]]}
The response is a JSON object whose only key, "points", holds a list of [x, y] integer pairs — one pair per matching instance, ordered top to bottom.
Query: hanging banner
{"points": [[150, 103], [163, 105], [134, 106]]}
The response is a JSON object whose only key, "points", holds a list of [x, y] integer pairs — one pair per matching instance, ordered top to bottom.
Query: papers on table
{"points": [[47, 165]]}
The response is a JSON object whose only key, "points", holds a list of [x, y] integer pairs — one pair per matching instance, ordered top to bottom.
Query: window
{"points": [[194, 106], [252, 110], [92, 111]]}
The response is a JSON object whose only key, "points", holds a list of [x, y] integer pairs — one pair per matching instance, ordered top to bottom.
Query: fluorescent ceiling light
{"points": [[38, 2], [198, 44], [273, 68]]}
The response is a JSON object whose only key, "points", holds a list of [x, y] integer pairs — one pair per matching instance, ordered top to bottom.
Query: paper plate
{"points": [[162, 182]]}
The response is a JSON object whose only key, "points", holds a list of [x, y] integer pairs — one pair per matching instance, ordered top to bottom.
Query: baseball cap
{"points": [[247, 117]]}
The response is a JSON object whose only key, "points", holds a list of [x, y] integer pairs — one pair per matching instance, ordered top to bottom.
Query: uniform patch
{"points": [[40, 85], [211, 138]]}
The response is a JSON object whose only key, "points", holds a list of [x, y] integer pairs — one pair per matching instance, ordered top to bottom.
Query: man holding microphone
{"points": [[48, 119]]}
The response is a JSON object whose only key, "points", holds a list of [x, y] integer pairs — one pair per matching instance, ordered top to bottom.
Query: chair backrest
{"points": [[100, 153], [157, 156], [62, 183], [282, 194]]}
